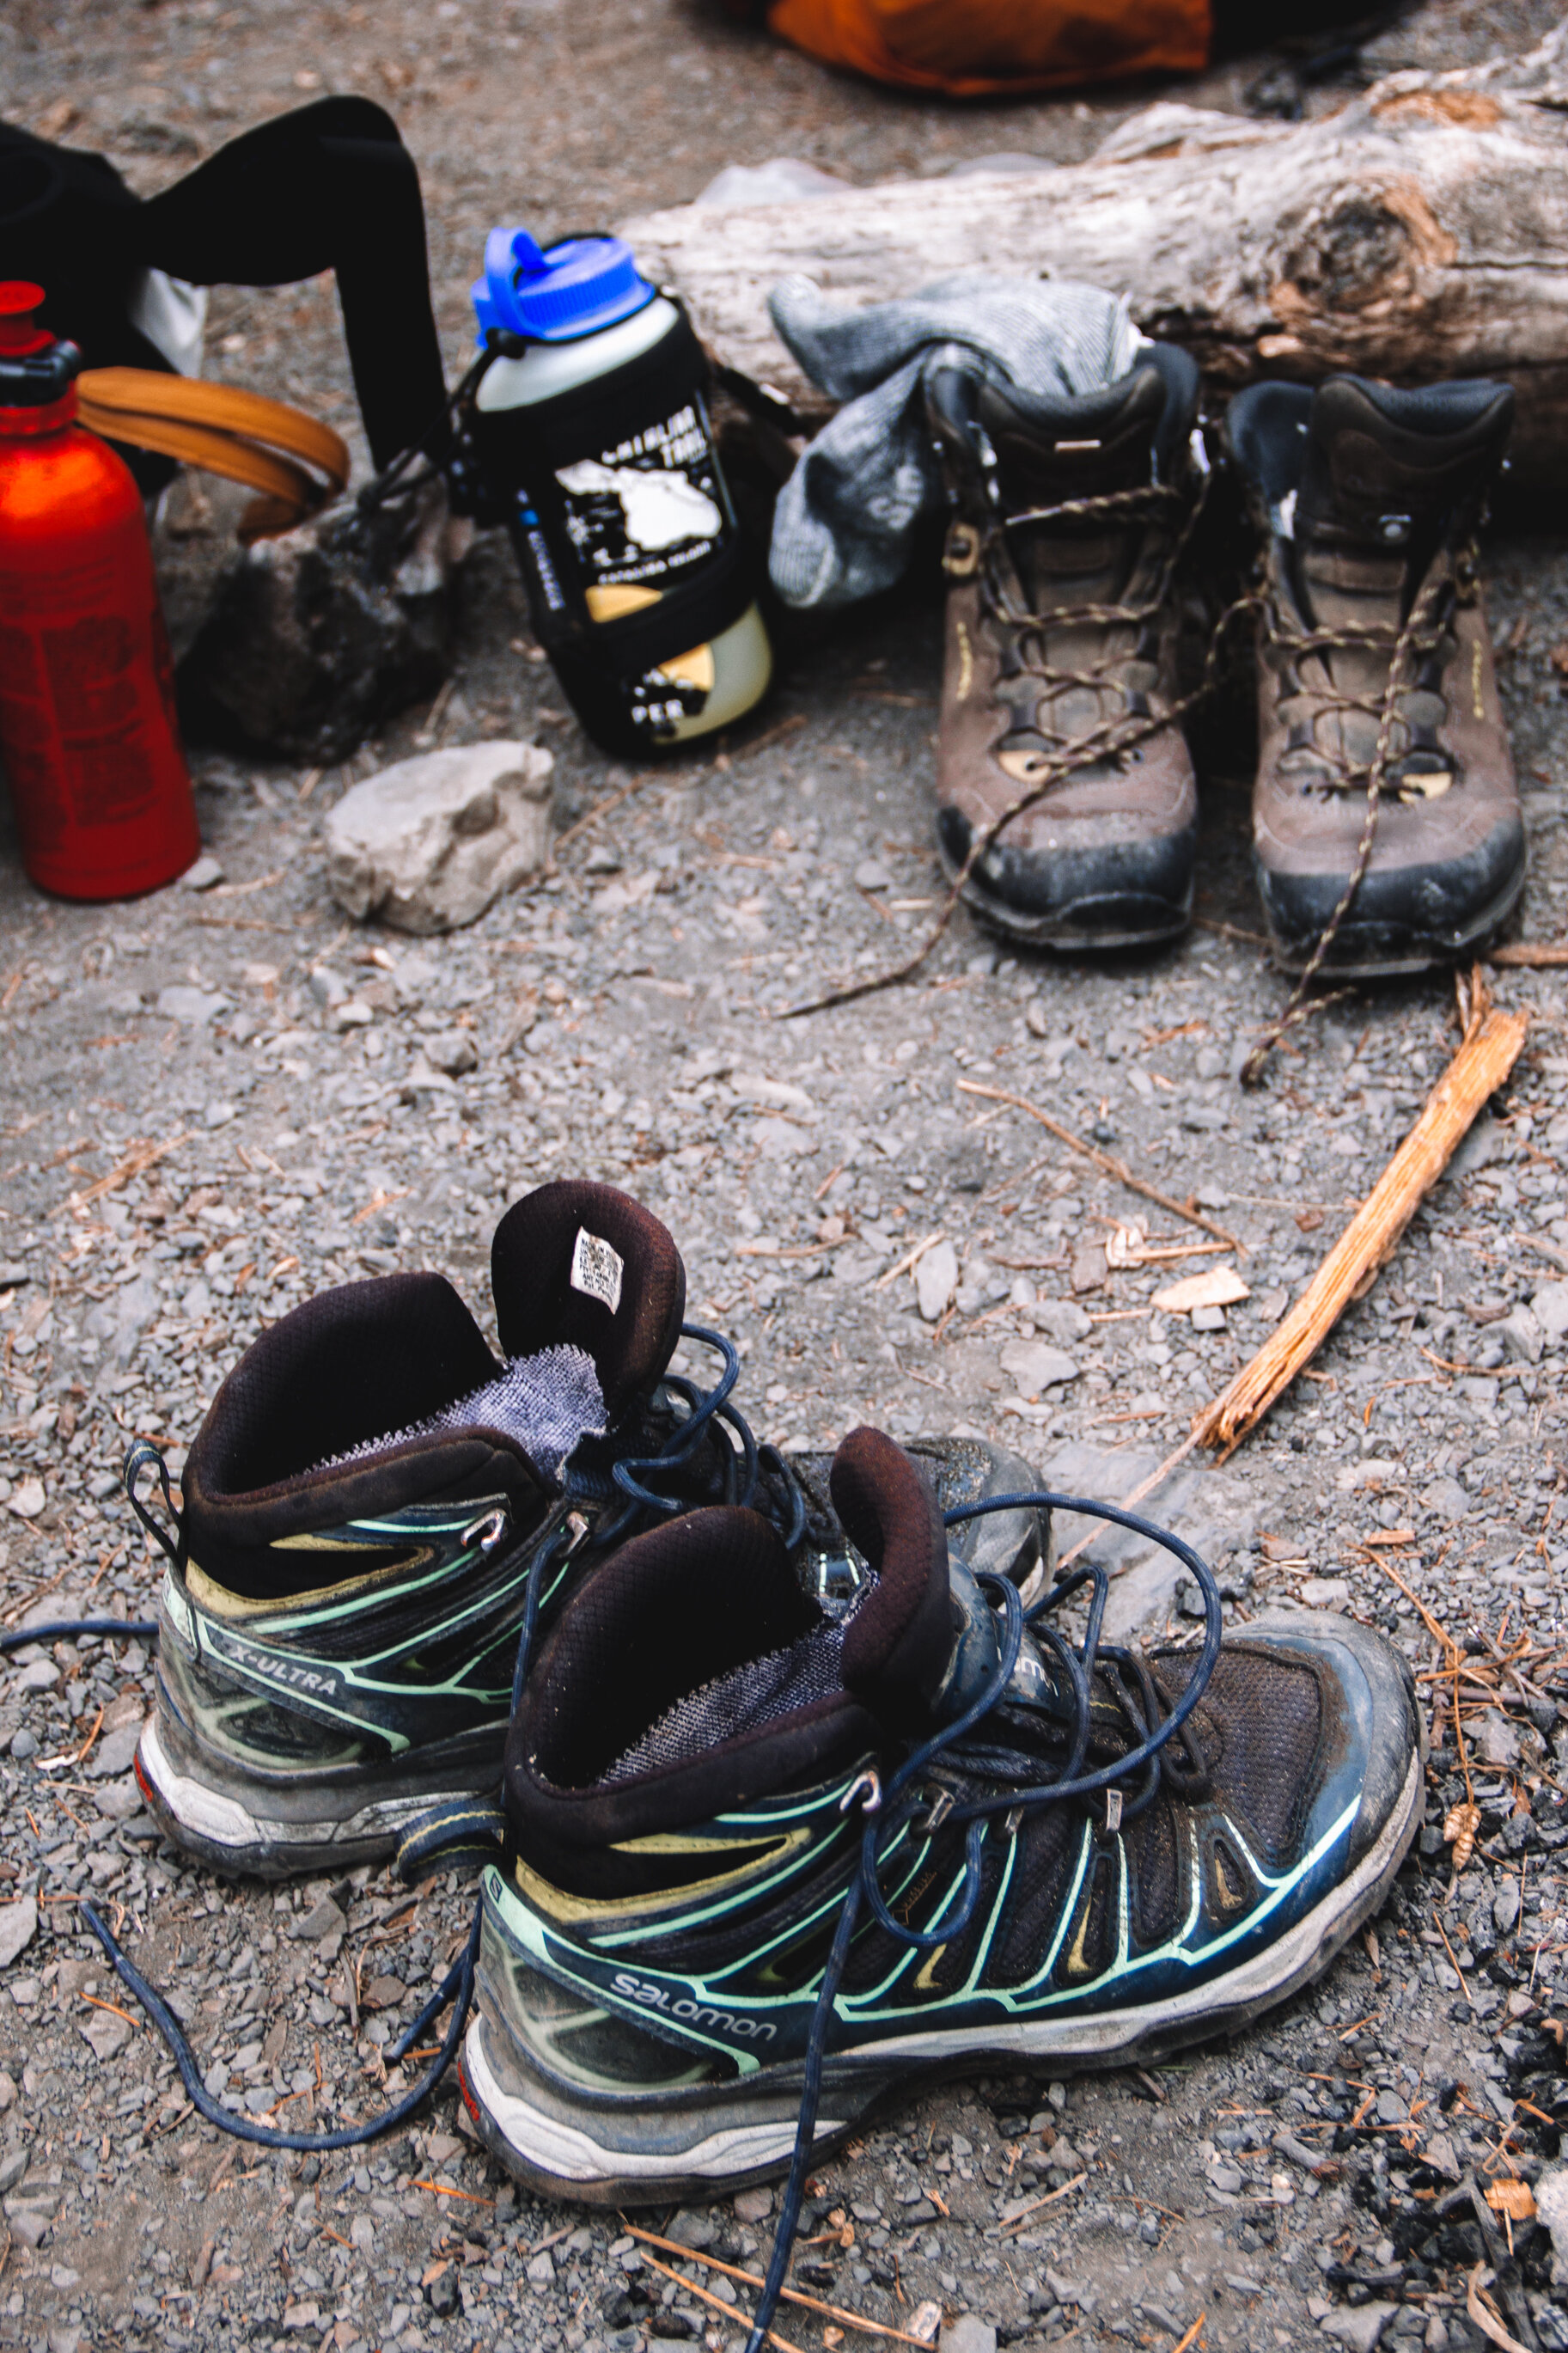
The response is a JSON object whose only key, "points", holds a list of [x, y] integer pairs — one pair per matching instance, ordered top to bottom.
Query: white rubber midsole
{"points": [[221, 1820], [567, 2153], [571, 2153]]}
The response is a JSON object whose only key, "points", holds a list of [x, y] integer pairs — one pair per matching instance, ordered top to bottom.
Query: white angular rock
{"points": [[429, 843], [936, 1280], [1549, 1308], [18, 1926], [1552, 2205]]}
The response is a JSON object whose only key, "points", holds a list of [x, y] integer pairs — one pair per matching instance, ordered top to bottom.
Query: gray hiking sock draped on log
{"points": [[846, 518]]}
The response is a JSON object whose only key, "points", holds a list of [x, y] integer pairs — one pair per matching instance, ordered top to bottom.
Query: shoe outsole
{"points": [[361, 1820], [709, 2149]]}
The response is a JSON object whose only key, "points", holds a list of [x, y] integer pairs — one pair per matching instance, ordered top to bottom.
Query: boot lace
{"points": [[696, 1455], [1116, 1791]]}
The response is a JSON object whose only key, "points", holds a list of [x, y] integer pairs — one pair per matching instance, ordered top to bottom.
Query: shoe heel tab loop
{"points": [[140, 1457]]}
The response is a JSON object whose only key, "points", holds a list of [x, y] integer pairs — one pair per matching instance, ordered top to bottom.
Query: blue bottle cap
{"points": [[554, 294]]}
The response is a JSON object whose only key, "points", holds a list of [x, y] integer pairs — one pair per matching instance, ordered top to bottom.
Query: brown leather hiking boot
{"points": [[1369, 500], [1069, 513]]}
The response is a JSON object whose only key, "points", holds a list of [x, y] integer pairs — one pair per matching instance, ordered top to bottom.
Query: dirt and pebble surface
{"points": [[215, 1101]]}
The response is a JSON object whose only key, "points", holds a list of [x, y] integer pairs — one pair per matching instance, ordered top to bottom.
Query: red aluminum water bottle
{"points": [[87, 732]]}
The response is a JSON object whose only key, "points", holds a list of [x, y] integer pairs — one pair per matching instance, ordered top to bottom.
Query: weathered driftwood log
{"points": [[1420, 232]]}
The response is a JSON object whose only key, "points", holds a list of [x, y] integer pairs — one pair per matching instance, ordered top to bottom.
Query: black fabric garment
{"points": [[328, 187]]}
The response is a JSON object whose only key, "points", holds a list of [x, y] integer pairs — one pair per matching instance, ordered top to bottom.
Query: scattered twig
{"points": [[600, 809], [1530, 955], [1478, 1070], [140, 1157], [1107, 1161], [910, 1260], [1453, 1957], [1015, 2222], [793, 2294], [707, 2296], [1483, 2313]]}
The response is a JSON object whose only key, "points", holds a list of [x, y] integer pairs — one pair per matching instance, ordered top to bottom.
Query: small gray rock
{"points": [[203, 875], [194, 1006], [453, 1051], [1061, 1319], [1522, 1337], [1035, 1366], [1497, 1742], [115, 1753], [323, 1919], [753, 2205], [1552, 2205], [694, 2227], [1360, 2327], [968, 2334]]}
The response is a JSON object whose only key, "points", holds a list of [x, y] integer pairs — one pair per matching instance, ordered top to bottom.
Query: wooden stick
{"points": [[1530, 955], [1490, 1049], [1105, 1160], [794, 2294], [717, 2301], [1486, 2319]]}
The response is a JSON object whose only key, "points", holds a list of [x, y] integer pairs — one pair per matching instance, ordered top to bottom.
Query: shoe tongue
{"points": [[1050, 447], [1389, 467], [584, 1266], [899, 1645]]}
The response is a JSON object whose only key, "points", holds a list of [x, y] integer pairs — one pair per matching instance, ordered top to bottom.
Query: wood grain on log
{"points": [[1420, 232]]}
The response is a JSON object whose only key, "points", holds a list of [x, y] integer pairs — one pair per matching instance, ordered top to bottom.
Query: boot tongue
{"points": [[1073, 447], [1050, 451], [1386, 477]]}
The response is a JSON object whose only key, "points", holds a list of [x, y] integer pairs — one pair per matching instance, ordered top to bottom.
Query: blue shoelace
{"points": [[751, 1476], [887, 1808]]}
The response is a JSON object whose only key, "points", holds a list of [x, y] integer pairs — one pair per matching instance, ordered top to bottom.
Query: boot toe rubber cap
{"points": [[1142, 884], [1440, 908]]}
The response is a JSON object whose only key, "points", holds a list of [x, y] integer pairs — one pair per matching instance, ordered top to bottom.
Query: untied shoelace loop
{"points": [[887, 1808]]}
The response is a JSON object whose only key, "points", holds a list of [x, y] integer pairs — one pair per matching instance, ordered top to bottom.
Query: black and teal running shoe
{"points": [[368, 1506], [378, 1517], [769, 1861]]}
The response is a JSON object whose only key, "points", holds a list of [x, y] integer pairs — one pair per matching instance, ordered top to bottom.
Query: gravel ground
{"points": [[213, 1103]]}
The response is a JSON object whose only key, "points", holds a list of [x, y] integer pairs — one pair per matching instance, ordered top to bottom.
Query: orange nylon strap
{"points": [[224, 430]]}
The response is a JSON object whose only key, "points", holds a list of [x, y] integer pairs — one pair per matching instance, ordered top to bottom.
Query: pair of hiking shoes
{"points": [[1065, 790], [791, 1781]]}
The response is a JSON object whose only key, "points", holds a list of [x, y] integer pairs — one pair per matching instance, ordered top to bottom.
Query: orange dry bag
{"points": [[982, 48]]}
